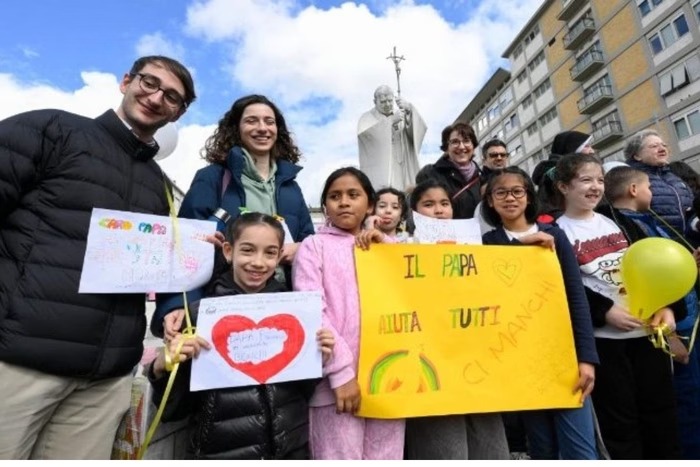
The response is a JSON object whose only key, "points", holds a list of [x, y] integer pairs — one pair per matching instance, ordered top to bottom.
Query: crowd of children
{"points": [[637, 403]]}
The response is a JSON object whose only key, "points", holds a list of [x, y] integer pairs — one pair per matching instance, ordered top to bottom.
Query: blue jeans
{"points": [[562, 433]]}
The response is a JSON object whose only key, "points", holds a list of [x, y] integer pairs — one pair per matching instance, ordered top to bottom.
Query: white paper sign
{"points": [[431, 230], [128, 252], [257, 339]]}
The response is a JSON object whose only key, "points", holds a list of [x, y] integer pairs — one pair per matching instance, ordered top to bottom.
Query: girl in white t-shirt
{"points": [[633, 393]]}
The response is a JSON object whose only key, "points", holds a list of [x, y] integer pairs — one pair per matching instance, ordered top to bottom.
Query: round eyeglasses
{"points": [[151, 84], [501, 193]]}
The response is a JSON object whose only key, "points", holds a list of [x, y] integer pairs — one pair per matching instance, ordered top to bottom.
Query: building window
{"points": [[645, 6], [696, 7], [668, 34], [531, 36], [517, 51], [539, 58], [688, 71], [522, 76], [542, 88], [506, 98], [527, 102], [494, 112], [550, 115], [512, 122], [609, 122], [482, 123], [688, 125], [532, 129], [518, 152]]}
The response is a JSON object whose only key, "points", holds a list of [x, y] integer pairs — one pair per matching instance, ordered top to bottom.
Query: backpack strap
{"points": [[225, 180], [221, 214]]}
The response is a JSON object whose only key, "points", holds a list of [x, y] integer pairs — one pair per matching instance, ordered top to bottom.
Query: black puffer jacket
{"points": [[54, 168], [444, 171], [267, 421]]}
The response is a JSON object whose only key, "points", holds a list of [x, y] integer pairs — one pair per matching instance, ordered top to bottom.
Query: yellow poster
{"points": [[450, 329]]}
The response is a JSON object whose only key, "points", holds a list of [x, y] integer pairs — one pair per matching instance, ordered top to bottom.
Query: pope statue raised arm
{"points": [[389, 141]]}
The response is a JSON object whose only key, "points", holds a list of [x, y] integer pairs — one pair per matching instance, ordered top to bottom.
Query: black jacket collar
{"points": [[139, 150]]}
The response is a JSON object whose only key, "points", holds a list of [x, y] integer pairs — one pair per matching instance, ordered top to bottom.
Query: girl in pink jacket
{"points": [[325, 262]]}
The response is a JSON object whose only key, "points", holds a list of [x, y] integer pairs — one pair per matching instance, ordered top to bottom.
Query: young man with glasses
{"points": [[66, 358]]}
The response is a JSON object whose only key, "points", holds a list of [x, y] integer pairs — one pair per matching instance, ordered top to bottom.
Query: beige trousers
{"points": [[44, 416]]}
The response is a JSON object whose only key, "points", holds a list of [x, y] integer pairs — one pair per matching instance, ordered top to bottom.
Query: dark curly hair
{"points": [[227, 134]]}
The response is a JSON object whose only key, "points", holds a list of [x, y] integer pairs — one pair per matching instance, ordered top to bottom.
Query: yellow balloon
{"points": [[655, 273]]}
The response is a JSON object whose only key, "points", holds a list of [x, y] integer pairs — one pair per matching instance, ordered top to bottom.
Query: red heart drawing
{"points": [[266, 369]]}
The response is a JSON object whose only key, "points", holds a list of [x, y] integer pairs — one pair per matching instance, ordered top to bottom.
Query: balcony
{"points": [[569, 8], [579, 32], [591, 61], [595, 98], [606, 133]]}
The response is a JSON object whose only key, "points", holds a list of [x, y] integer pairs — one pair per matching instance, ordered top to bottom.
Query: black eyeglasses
{"points": [[151, 85], [495, 155], [517, 192]]}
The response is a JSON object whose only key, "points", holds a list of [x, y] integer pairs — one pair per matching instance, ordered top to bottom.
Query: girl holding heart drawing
{"points": [[267, 421]]}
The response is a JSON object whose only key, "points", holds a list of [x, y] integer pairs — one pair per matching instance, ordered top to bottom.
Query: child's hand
{"points": [[372, 222], [367, 237], [539, 238], [217, 239], [288, 252], [696, 255], [620, 318], [664, 318], [172, 323], [326, 342], [191, 346], [678, 349], [586, 379], [347, 397]]}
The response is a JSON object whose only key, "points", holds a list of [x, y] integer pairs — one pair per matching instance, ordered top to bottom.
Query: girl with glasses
{"points": [[511, 207]]}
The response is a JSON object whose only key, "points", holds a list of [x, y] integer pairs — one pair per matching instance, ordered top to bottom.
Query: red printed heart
{"points": [[267, 368]]}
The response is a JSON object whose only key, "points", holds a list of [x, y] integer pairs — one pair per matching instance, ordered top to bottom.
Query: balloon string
{"points": [[679, 236], [188, 333], [693, 334], [658, 338]]}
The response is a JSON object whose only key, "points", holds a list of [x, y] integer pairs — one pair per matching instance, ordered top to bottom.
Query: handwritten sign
{"points": [[431, 230], [128, 252], [450, 329], [258, 338]]}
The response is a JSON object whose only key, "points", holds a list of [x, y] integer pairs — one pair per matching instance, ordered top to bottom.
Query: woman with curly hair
{"points": [[252, 167]]}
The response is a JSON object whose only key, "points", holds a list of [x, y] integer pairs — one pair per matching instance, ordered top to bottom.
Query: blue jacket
{"points": [[204, 198], [672, 200], [575, 294]]}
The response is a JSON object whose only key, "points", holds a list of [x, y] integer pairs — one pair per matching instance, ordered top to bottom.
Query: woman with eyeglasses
{"points": [[252, 167], [457, 170], [672, 199]]}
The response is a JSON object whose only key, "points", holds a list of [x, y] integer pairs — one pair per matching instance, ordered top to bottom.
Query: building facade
{"points": [[604, 67]]}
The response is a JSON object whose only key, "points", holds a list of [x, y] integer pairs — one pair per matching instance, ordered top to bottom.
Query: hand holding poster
{"points": [[128, 252], [449, 329], [258, 338]]}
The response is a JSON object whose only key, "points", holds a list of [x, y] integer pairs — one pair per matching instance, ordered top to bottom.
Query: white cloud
{"points": [[157, 44], [295, 55], [99, 91]]}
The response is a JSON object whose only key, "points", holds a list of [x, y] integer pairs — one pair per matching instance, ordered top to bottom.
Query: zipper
{"points": [[268, 419]]}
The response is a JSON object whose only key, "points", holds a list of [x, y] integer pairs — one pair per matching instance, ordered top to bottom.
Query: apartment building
{"points": [[603, 67]]}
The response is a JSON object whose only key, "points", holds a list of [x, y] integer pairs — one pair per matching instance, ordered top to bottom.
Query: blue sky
{"points": [[319, 61]]}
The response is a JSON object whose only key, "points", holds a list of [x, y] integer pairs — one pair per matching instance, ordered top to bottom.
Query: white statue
{"points": [[389, 142]]}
